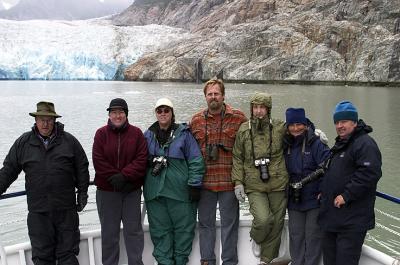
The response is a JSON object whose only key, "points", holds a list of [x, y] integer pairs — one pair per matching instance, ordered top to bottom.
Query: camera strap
{"points": [[270, 140]]}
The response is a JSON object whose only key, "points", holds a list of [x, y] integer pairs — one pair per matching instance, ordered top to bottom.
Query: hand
{"points": [[322, 136], [117, 181], [128, 187], [194, 193], [239, 193], [81, 201], [338, 201]]}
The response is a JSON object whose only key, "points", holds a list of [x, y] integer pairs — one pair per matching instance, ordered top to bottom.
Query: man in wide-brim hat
{"points": [[45, 117], [55, 164]]}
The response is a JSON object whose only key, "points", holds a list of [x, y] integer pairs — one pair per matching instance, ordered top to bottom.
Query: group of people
{"points": [[186, 170]]}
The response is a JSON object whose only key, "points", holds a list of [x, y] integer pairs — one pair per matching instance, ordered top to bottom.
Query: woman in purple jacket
{"points": [[304, 152], [120, 159]]}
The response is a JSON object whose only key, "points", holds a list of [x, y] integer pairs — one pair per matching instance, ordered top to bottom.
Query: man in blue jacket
{"points": [[348, 188]]}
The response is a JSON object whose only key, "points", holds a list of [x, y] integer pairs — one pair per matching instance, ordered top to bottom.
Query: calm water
{"points": [[83, 107]]}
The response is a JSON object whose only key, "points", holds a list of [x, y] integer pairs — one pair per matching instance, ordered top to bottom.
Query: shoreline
{"points": [[243, 81], [286, 82]]}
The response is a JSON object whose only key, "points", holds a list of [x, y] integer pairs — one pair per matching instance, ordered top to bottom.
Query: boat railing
{"points": [[378, 194], [388, 197], [90, 243]]}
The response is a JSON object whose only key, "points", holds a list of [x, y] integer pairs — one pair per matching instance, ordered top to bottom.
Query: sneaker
{"points": [[256, 249]]}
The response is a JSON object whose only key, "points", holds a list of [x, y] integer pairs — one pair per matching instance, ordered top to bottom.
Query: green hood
{"points": [[261, 99]]}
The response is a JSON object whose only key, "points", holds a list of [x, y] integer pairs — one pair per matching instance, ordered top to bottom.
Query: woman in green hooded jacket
{"points": [[172, 186]]}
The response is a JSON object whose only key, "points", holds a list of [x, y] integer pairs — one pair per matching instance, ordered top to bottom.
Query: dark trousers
{"points": [[114, 207], [54, 237], [305, 237], [340, 248]]}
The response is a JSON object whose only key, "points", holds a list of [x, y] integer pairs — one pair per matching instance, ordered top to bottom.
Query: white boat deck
{"points": [[90, 250]]}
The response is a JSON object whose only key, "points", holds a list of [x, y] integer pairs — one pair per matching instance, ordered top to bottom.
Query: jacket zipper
{"points": [[119, 148]]}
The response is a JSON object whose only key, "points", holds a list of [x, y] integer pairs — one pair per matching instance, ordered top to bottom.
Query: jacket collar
{"points": [[175, 128], [38, 139]]}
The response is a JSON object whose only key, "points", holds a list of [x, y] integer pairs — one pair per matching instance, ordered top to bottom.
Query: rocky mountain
{"points": [[63, 9], [283, 40]]}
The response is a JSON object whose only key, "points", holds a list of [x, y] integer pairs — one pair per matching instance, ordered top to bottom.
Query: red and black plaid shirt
{"points": [[218, 173]]}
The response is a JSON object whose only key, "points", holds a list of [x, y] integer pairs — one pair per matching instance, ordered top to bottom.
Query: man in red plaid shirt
{"points": [[215, 129]]}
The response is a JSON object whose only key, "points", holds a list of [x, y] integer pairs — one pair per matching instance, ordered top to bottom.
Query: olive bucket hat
{"points": [[45, 109]]}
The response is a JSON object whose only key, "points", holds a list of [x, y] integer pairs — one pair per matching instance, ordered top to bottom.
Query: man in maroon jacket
{"points": [[119, 159]]}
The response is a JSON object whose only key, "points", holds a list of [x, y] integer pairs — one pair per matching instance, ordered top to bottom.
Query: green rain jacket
{"points": [[267, 135], [185, 167]]}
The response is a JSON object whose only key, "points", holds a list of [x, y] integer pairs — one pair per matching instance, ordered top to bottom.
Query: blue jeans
{"points": [[114, 207], [229, 212]]}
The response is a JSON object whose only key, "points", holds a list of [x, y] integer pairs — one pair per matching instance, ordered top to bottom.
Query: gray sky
{"points": [[7, 4], [60, 9]]}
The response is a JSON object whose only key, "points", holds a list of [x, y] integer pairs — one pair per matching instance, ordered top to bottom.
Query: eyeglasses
{"points": [[165, 110], [44, 120]]}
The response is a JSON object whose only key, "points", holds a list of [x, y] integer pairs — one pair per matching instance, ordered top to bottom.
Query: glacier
{"points": [[77, 50]]}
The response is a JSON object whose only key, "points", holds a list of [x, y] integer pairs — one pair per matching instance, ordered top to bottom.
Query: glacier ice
{"points": [[76, 50]]}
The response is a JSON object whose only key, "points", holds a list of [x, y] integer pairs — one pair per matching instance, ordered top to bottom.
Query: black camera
{"points": [[159, 163], [262, 164], [297, 186], [296, 191]]}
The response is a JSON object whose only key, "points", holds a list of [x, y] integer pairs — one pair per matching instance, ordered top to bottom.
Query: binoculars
{"points": [[212, 151]]}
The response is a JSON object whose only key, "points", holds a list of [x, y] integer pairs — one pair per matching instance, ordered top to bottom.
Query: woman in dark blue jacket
{"points": [[304, 152]]}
